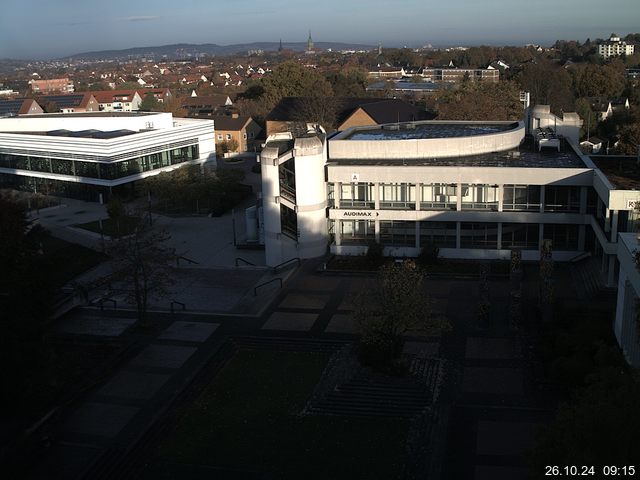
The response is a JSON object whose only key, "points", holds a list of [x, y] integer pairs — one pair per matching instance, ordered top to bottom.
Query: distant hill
{"points": [[182, 50]]}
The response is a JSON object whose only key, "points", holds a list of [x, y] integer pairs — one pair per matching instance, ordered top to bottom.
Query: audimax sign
{"points": [[359, 214]]}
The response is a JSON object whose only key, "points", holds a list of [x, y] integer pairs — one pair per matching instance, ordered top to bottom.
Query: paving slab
{"points": [[325, 284], [304, 300], [301, 322], [342, 323], [99, 326], [189, 331], [480, 348], [421, 349], [163, 356], [499, 381], [134, 385], [100, 419], [505, 438], [486, 472]]}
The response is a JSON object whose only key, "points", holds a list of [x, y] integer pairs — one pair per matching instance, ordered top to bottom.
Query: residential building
{"points": [[615, 47], [387, 72], [53, 85], [160, 94], [118, 100], [70, 103], [19, 106], [206, 106], [349, 111], [243, 130], [91, 155]]}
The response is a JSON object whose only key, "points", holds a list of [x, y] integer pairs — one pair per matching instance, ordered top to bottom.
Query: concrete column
{"points": [[337, 194], [418, 196], [583, 200], [376, 201], [459, 202], [500, 202], [541, 202], [607, 221], [614, 226], [377, 230], [458, 230], [337, 231], [582, 232], [418, 234], [500, 236], [540, 236], [603, 264], [611, 272]]}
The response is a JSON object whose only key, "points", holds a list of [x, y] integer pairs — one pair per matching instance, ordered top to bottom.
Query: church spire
{"points": [[309, 43], [280, 47]]}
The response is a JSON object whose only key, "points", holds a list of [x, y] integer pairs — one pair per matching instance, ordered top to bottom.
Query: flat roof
{"points": [[89, 114], [410, 131], [523, 157], [622, 171]]}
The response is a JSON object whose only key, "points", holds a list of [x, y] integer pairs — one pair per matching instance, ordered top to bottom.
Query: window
{"points": [[219, 136], [228, 136], [244, 136], [357, 195], [398, 195], [439, 196], [479, 197], [521, 197], [561, 199], [289, 222], [357, 231], [398, 233], [439, 234], [478, 235], [520, 235], [563, 237]]}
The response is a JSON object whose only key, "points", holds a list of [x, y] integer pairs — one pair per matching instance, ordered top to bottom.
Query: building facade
{"points": [[614, 47], [88, 154]]}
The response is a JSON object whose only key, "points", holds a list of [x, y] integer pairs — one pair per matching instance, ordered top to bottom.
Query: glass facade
{"points": [[105, 171], [287, 174], [356, 195], [398, 195], [438, 196], [479, 197], [521, 198], [561, 199], [289, 222], [359, 232], [398, 233], [440, 234], [479, 235], [522, 236], [563, 237]]}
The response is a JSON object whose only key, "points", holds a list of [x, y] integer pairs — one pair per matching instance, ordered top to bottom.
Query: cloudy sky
{"points": [[55, 28]]}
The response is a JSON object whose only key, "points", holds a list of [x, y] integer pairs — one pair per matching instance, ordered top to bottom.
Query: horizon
{"points": [[67, 28]]}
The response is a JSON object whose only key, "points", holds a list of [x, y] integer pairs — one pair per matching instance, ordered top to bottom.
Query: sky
{"points": [[43, 29]]}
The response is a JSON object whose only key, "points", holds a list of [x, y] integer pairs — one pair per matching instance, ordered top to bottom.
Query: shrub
{"points": [[375, 254], [429, 254]]}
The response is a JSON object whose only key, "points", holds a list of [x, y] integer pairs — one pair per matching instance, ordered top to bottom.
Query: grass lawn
{"points": [[125, 226], [247, 418]]}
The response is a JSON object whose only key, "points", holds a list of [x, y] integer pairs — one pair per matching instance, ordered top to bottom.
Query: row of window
{"points": [[228, 136], [106, 171], [445, 197], [472, 234]]}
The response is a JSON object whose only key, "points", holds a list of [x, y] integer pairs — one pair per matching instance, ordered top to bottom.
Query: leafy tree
{"points": [[290, 79], [481, 101], [149, 103], [174, 106], [321, 110], [590, 120], [629, 139], [395, 305]]}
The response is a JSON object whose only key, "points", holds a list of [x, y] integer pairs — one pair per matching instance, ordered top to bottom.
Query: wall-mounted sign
{"points": [[355, 177], [633, 204], [355, 213]]}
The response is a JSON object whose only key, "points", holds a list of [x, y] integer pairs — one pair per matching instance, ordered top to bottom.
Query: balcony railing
{"points": [[356, 204], [398, 205], [438, 205], [480, 206]]}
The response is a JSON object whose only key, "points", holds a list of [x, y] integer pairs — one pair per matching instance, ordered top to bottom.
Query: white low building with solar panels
{"points": [[84, 155]]}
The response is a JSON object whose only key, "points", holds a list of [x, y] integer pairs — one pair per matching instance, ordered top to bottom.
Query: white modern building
{"points": [[614, 47], [87, 154], [476, 190]]}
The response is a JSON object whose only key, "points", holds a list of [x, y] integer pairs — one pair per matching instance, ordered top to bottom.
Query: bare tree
{"points": [[141, 266]]}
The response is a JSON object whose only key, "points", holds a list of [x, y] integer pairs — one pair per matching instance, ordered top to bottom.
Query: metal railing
{"points": [[357, 204], [398, 205], [180, 257], [283, 264], [255, 290], [102, 300], [175, 302]]}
